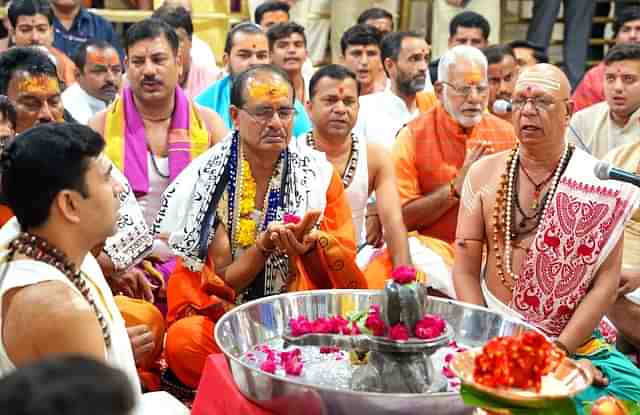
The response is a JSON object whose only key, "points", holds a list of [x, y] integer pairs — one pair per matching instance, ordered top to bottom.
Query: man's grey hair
{"points": [[457, 54]]}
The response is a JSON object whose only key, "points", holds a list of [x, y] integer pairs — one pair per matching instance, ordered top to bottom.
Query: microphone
{"points": [[501, 106], [605, 171]]}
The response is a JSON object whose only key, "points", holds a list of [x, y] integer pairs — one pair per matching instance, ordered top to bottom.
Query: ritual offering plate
{"points": [[336, 361], [524, 370]]}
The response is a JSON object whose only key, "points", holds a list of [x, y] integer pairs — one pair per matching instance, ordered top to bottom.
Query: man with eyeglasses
{"points": [[433, 152], [254, 216], [549, 235]]}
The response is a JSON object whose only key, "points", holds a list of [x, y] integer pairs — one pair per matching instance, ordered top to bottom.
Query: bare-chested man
{"points": [[365, 167], [552, 232]]}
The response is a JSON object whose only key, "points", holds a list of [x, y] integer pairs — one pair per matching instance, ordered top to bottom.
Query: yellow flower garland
{"points": [[247, 227]]}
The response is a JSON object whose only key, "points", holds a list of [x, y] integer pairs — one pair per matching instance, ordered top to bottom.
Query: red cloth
{"points": [[591, 89], [218, 394]]}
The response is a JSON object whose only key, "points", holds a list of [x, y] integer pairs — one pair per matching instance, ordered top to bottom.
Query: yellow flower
{"points": [[248, 190], [246, 234]]}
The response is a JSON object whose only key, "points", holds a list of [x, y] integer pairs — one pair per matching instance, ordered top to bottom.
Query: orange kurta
{"points": [[430, 151], [5, 214], [197, 300]]}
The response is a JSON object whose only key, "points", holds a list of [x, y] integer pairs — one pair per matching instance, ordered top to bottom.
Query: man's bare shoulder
{"points": [[377, 156], [489, 166], [46, 297], [49, 318]]}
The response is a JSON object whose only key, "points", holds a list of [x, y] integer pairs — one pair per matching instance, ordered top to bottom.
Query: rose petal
{"points": [[399, 332], [268, 366]]}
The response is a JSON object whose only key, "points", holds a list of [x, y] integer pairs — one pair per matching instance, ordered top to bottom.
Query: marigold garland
{"points": [[247, 227]]}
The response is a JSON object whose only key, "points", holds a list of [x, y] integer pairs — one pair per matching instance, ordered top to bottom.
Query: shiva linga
{"points": [[392, 366]]}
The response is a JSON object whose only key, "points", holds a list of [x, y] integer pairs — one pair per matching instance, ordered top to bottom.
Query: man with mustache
{"points": [[32, 25], [288, 49], [405, 56], [502, 74], [99, 76], [29, 79], [604, 126], [153, 130], [433, 152], [365, 166], [242, 218], [548, 234]]}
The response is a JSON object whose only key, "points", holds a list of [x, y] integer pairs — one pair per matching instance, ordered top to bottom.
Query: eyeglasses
{"points": [[465, 91], [539, 103], [264, 115]]}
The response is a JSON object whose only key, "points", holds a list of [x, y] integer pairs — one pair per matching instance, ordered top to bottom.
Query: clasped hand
{"points": [[293, 239]]}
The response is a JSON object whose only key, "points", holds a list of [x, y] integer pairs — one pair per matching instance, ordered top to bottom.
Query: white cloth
{"points": [[443, 12], [202, 53], [80, 104], [380, 117], [593, 128], [358, 192], [186, 201], [150, 202], [132, 240], [22, 273]]}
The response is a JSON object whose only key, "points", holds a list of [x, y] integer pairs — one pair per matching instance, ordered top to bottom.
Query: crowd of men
{"points": [[145, 192]]}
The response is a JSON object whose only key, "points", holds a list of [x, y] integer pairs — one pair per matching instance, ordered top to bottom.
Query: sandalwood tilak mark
{"points": [[538, 80], [271, 90]]}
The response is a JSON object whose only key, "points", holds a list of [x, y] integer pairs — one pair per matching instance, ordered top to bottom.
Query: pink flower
{"points": [[291, 218], [404, 274], [338, 323], [375, 324], [321, 325], [300, 326], [429, 327], [399, 332], [329, 349], [292, 362], [268, 366], [448, 373]]}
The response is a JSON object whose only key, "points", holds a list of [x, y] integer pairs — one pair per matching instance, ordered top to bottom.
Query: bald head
{"points": [[547, 77]]}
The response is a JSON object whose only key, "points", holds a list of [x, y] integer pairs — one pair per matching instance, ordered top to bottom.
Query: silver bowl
{"points": [[257, 322]]}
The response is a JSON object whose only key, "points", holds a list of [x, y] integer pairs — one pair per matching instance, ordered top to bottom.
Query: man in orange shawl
{"points": [[434, 151], [253, 216]]}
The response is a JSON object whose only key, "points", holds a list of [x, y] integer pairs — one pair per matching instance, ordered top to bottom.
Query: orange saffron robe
{"points": [[430, 151], [197, 300]]}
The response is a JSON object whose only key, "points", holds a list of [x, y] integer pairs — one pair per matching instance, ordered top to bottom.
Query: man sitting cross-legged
{"points": [[365, 167], [242, 218], [552, 233]]}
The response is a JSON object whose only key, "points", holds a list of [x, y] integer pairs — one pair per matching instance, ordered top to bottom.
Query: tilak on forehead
{"points": [[106, 59], [474, 75], [532, 79], [39, 84], [271, 89]]}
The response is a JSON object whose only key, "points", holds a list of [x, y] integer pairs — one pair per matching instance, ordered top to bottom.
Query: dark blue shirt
{"points": [[85, 26]]}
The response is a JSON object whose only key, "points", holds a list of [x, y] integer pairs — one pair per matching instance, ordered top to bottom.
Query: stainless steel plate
{"points": [[260, 321]]}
